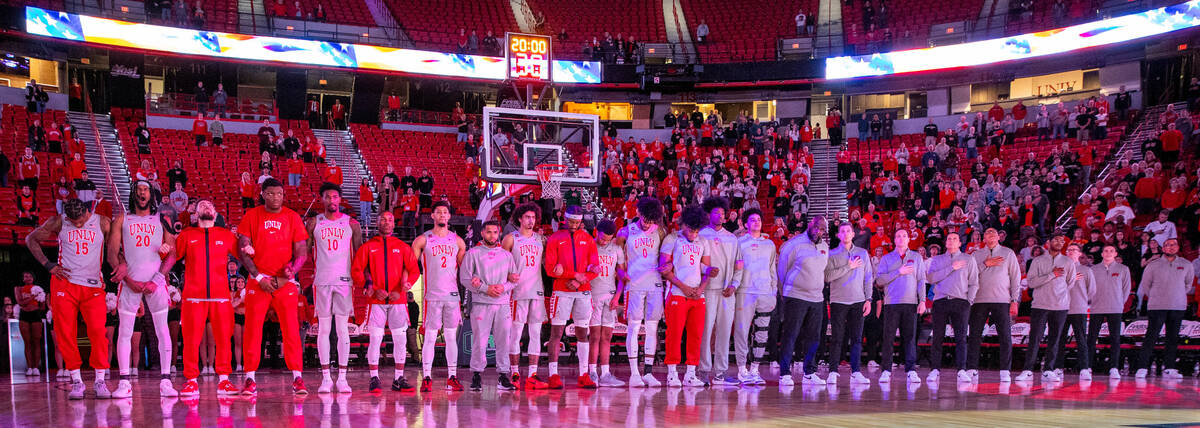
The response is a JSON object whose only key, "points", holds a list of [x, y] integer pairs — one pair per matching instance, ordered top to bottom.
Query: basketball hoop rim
{"points": [[549, 171]]}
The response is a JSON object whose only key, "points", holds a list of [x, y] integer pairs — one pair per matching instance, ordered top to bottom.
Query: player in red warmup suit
{"points": [[273, 244], [572, 260]]}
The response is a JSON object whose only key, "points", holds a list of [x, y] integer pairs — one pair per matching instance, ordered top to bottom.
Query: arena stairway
{"points": [[829, 30], [339, 146], [104, 157], [826, 195]]}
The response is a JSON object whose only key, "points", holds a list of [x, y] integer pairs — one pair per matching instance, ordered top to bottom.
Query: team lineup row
{"points": [[701, 279]]}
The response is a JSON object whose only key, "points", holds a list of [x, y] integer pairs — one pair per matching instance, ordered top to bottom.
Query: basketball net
{"points": [[550, 175]]}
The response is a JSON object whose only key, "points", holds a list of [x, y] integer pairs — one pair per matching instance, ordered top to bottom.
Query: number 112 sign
{"points": [[528, 56]]}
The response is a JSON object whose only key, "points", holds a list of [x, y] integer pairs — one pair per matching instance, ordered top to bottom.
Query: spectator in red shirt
{"points": [[279, 9], [337, 112], [996, 113], [200, 130], [1171, 142], [77, 167], [295, 167], [332, 173], [249, 190], [1147, 190], [365, 199]]}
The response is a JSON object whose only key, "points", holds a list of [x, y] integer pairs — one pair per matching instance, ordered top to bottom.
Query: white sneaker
{"points": [[872, 364], [775, 365], [28, 372], [36, 372], [134, 372], [1059, 373], [1114, 373], [62, 374], [1085, 374], [1141, 374], [1171, 374], [933, 375], [965, 376], [1005, 376], [1025, 376], [1049, 376], [885, 377], [913, 377], [746, 378], [858, 378], [758, 379], [813, 379], [832, 379], [673, 380], [725, 380], [786, 380], [610, 381], [635, 381], [651, 381], [692, 381], [342, 385], [326, 386], [78, 389], [124, 389], [165, 389], [102, 390]]}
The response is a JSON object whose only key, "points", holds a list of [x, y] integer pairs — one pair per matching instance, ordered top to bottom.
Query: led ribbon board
{"points": [[111, 32], [1025, 46]]}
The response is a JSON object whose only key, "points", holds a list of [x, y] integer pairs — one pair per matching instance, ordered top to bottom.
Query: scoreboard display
{"points": [[528, 56]]}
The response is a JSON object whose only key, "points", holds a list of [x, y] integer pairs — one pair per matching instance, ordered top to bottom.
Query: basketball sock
{"points": [[324, 327], [631, 345], [582, 350], [533, 368], [592, 368], [553, 369], [604, 370], [672, 370], [691, 370], [374, 372], [100, 373], [297, 373], [341, 373], [399, 373], [325, 374], [250, 375], [75, 376], [222, 378]]}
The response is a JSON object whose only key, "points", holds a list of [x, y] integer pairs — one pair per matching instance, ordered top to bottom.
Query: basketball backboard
{"points": [[516, 141]]}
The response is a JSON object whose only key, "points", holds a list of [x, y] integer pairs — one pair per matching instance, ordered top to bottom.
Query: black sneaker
{"points": [[476, 382], [506, 384], [401, 385], [374, 386]]}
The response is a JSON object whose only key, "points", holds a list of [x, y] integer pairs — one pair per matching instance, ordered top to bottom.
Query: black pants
{"points": [[835, 136], [425, 201], [247, 202], [953, 312], [901, 316], [1000, 317], [803, 318], [1038, 319], [1172, 319], [847, 322], [1078, 326], [872, 331], [1114, 338]]}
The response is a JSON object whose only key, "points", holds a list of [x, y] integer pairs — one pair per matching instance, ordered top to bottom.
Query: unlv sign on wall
{"points": [[1047, 85]]}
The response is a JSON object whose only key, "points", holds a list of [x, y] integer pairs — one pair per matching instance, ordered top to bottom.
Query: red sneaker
{"points": [[516, 379], [585, 381], [533, 382], [555, 382], [426, 384], [453, 384], [249, 387], [298, 387], [226, 388], [190, 389]]}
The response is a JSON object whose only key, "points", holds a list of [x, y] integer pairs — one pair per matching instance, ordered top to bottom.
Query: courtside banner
{"points": [[111, 32], [1024, 46]]}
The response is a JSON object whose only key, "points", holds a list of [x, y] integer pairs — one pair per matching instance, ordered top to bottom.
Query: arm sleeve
{"points": [[181, 245], [593, 255], [552, 257], [782, 261], [359, 266], [410, 266], [512, 269], [467, 271], [868, 272], [739, 273], [1037, 273], [1014, 277], [1189, 277], [972, 278], [921, 282], [1126, 285]]}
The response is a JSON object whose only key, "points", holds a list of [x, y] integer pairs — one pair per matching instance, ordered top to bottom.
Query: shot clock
{"points": [[528, 56]]}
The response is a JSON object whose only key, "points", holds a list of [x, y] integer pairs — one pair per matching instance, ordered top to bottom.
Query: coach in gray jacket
{"points": [[849, 274], [955, 277], [902, 278], [1050, 279], [1166, 282], [995, 299]]}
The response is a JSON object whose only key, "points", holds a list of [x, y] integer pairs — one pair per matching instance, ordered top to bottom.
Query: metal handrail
{"points": [[118, 207]]}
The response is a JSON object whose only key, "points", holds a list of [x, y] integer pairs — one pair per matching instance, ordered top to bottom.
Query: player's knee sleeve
{"points": [[399, 345]]}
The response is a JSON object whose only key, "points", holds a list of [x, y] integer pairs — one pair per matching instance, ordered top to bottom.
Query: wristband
{"points": [[49, 265], [260, 277]]}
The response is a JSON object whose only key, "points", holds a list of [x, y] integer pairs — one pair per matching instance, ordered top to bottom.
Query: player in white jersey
{"points": [[335, 238], [440, 252], [685, 262], [137, 270], [757, 285], [76, 289], [606, 291], [644, 295], [529, 298], [719, 299]]}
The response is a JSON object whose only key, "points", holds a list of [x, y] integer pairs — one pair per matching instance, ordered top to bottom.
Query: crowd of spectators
{"points": [[297, 11]]}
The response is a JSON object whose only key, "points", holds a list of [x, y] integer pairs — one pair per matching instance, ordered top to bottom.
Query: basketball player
{"points": [[335, 238], [145, 244], [273, 246], [205, 250], [440, 252], [572, 261], [684, 262], [385, 268], [490, 273], [902, 277], [954, 277], [757, 285], [1113, 285], [850, 286], [76, 289], [644, 290], [606, 291], [1081, 292], [528, 298], [719, 299], [996, 299], [803, 300]]}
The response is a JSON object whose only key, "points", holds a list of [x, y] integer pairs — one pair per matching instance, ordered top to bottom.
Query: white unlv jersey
{"points": [[141, 237], [641, 249], [80, 250], [334, 250], [527, 253], [440, 257], [686, 258], [606, 280]]}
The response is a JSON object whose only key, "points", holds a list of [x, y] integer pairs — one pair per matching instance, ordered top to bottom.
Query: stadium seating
{"points": [[1077, 11], [353, 12], [641, 19], [907, 20], [434, 25], [746, 31], [13, 140], [434, 150]]}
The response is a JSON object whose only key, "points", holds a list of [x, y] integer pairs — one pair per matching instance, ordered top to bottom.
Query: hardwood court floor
{"points": [[986, 404]]}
